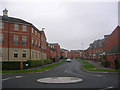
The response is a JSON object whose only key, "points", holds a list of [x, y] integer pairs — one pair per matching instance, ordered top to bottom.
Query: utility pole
{"points": [[82, 45], [82, 50]]}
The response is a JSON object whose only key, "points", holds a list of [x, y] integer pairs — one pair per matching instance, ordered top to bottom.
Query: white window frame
{"points": [[16, 27], [24, 28], [32, 30], [35, 32], [16, 39], [25, 39], [32, 40], [15, 52], [24, 52], [32, 54]]}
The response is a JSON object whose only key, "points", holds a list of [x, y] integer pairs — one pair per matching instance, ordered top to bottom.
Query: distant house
{"points": [[95, 49], [54, 51], [64, 53], [75, 54]]}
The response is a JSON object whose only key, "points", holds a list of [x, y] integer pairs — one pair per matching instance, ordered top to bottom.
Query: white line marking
{"points": [[67, 68], [98, 75], [18, 76], [11, 78], [5, 79], [110, 87]]}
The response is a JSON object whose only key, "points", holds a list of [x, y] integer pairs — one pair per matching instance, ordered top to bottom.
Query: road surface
{"points": [[72, 69]]}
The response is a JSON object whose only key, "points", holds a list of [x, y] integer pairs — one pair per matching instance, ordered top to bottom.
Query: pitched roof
{"points": [[15, 20]]}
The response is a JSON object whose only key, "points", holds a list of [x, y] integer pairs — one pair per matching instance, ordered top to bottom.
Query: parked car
{"points": [[68, 60]]}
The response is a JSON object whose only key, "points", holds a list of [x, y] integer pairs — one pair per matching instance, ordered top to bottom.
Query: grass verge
{"points": [[90, 67], [42, 69]]}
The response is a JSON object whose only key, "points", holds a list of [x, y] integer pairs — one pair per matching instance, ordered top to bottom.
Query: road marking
{"points": [[67, 68], [98, 75], [18, 76], [11, 78], [5, 79], [110, 87]]}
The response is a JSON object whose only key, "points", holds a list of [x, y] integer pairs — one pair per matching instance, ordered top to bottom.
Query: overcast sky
{"points": [[69, 23]]}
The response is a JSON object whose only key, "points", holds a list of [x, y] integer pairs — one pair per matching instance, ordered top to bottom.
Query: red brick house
{"points": [[20, 40], [43, 45], [112, 48], [95, 50], [53, 51], [64, 53], [75, 54]]}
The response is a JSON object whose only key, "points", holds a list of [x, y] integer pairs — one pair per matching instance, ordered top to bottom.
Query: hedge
{"points": [[47, 61], [35, 63], [11, 65], [15, 65]]}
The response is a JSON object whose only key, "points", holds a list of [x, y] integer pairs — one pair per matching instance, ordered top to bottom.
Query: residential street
{"points": [[68, 69]]}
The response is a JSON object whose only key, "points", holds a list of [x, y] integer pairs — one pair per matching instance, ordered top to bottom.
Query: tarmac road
{"points": [[102, 81]]}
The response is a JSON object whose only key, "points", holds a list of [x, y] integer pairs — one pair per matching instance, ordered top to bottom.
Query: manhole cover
{"points": [[60, 80]]}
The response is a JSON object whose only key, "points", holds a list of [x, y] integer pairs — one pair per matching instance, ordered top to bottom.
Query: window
{"points": [[1, 25], [16, 26], [24, 28], [32, 30], [36, 33], [1, 39], [16, 39], [42, 39], [24, 40], [32, 41], [36, 43], [39, 44], [0, 52], [15, 53], [32, 53], [24, 54], [36, 55]]}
